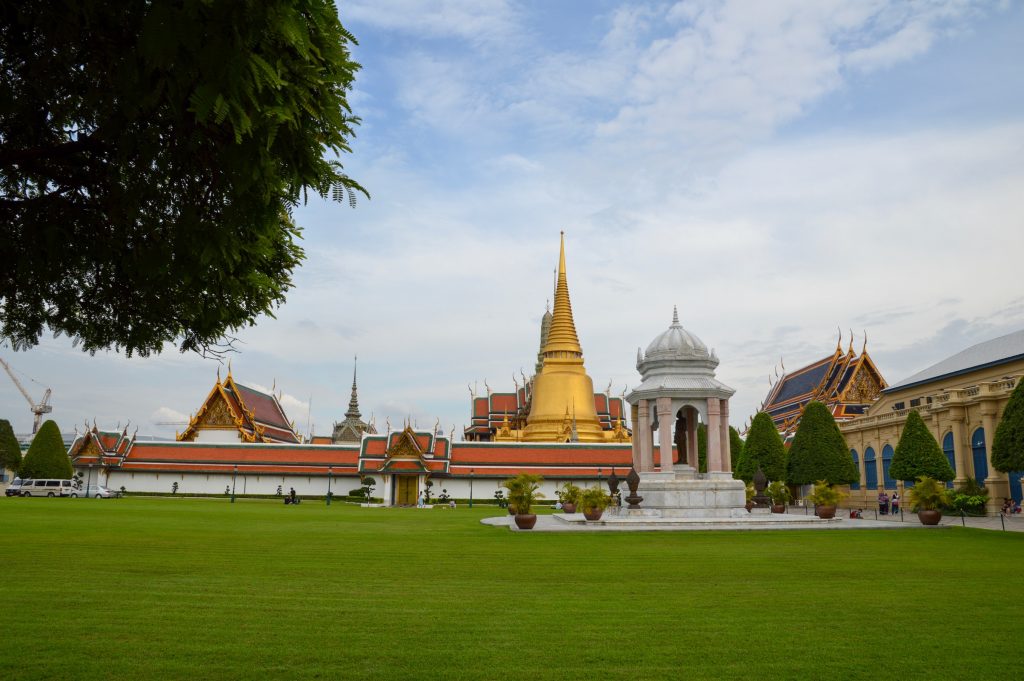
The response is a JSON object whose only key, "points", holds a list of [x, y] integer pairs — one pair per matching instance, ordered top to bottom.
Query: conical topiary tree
{"points": [[1008, 446], [735, 447], [763, 449], [10, 450], [819, 450], [918, 455], [46, 456]]}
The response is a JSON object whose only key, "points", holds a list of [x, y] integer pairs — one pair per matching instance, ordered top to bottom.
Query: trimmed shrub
{"points": [[1008, 446], [735, 447], [702, 448], [763, 449], [10, 450], [819, 450], [918, 454], [46, 457]]}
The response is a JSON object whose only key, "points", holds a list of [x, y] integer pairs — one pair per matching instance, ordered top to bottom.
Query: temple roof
{"points": [[258, 416]]}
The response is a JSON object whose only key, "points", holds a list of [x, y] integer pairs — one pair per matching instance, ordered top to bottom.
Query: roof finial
{"points": [[675, 315], [851, 342], [839, 343], [865, 348], [229, 368], [218, 374]]}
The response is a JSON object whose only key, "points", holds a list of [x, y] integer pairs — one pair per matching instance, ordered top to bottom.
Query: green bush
{"points": [[1008, 445], [735, 448], [763, 449], [10, 450], [819, 450], [918, 454], [47, 457]]}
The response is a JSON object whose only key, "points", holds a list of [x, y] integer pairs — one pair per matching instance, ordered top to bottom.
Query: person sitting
{"points": [[294, 497], [1007, 507]]}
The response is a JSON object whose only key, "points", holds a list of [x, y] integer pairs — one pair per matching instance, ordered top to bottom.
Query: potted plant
{"points": [[523, 492], [569, 495], [780, 496], [927, 497], [825, 498], [593, 501]]}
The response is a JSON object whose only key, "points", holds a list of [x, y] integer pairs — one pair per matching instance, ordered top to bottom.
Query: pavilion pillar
{"points": [[634, 419], [665, 421], [643, 432], [714, 435], [723, 436], [692, 455]]}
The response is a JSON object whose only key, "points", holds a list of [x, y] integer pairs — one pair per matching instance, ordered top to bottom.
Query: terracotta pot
{"points": [[569, 508], [778, 508], [826, 512], [593, 514], [930, 517], [525, 521]]}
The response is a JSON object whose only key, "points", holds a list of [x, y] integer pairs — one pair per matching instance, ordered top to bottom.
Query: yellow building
{"points": [[962, 399]]}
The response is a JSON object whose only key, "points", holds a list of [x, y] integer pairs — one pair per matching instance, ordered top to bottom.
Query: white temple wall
{"points": [[218, 435]]}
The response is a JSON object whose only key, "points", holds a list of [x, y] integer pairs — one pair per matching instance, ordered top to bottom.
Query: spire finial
{"points": [[675, 315], [562, 336], [851, 342], [839, 343], [865, 348], [229, 368], [218, 374], [353, 402]]}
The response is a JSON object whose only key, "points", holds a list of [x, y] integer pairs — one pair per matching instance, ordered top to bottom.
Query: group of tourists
{"points": [[887, 504], [1011, 507]]}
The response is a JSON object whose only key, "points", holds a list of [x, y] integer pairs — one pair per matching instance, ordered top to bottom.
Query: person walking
{"points": [[419, 500], [883, 503], [894, 504]]}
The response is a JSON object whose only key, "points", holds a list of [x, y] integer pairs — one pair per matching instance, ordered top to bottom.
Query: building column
{"points": [[956, 417], [634, 419], [665, 421], [643, 431], [714, 436], [725, 444], [692, 455], [998, 484], [386, 492]]}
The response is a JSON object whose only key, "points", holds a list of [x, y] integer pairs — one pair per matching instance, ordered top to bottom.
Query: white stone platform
{"points": [[683, 493], [575, 522]]}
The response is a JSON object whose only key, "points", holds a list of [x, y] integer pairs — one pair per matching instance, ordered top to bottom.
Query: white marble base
{"points": [[684, 494]]}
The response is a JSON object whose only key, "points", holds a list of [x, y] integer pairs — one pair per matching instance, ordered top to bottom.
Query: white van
{"points": [[47, 487]]}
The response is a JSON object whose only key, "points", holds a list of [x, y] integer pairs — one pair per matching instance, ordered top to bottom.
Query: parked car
{"points": [[47, 487], [14, 489], [97, 491]]}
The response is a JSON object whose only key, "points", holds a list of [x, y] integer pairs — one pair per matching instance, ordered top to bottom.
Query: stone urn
{"points": [[568, 507], [781, 508], [825, 512], [593, 513], [929, 517], [525, 521]]}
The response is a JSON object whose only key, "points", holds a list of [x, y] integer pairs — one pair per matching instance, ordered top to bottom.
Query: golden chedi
{"points": [[562, 408]]}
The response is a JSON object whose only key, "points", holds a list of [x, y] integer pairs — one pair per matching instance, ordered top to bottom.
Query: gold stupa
{"points": [[562, 408]]}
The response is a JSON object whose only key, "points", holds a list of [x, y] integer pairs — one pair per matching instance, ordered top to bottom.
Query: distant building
{"points": [[844, 381], [961, 399], [233, 412], [353, 427]]}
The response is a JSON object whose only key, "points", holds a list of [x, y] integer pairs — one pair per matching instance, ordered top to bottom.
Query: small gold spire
{"points": [[562, 337]]}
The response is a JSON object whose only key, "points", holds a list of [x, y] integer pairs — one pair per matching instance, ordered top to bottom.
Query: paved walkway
{"points": [[576, 523]]}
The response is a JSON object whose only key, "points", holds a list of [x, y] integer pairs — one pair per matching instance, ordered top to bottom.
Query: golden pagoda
{"points": [[562, 407]]}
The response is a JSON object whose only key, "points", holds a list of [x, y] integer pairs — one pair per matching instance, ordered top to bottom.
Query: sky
{"points": [[781, 171]]}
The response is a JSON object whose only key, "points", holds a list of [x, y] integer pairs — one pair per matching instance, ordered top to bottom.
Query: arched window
{"points": [[948, 450], [978, 452], [856, 464], [886, 464], [870, 469]]}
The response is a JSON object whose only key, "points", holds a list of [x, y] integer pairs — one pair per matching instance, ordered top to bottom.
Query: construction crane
{"points": [[43, 407]]}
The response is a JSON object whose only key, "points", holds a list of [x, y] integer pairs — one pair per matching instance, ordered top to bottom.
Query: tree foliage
{"points": [[151, 158], [1008, 445], [735, 447], [702, 448], [763, 449], [10, 450], [819, 450], [918, 454], [46, 456]]}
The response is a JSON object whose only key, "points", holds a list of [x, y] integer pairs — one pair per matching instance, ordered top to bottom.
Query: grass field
{"points": [[202, 589]]}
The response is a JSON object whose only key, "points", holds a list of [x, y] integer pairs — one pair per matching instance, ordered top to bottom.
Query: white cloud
{"points": [[168, 416]]}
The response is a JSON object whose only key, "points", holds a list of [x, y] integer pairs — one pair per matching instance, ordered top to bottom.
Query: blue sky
{"points": [[775, 169]]}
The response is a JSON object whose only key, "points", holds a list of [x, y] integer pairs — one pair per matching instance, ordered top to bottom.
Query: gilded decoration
{"points": [[865, 388], [217, 414], [405, 447], [91, 449]]}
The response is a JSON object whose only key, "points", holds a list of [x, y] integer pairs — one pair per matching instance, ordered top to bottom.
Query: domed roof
{"points": [[677, 343]]}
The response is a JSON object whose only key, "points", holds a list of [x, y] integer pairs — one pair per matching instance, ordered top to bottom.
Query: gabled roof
{"points": [[993, 352], [258, 416]]}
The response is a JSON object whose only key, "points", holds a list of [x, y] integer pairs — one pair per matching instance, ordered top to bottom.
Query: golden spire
{"points": [[562, 338]]}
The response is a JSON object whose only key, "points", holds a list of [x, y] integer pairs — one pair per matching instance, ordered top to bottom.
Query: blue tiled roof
{"points": [[794, 386]]}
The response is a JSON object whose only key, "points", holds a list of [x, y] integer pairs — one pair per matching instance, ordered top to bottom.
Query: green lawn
{"points": [[202, 589]]}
